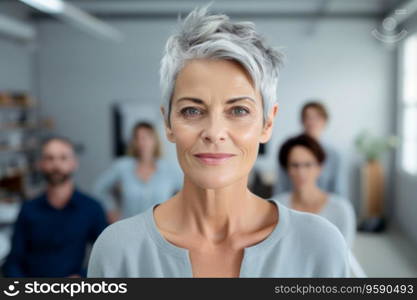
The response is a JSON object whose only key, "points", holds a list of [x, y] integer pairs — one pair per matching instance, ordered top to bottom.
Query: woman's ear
{"points": [[269, 125], [168, 130]]}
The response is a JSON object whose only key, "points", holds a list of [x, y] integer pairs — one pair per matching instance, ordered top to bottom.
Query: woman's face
{"points": [[217, 122], [314, 123], [145, 141], [303, 167]]}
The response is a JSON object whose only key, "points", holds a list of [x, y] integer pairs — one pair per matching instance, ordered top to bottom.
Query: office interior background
{"points": [[75, 70]]}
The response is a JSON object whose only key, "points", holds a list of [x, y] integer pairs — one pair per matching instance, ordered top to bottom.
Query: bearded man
{"points": [[53, 231]]}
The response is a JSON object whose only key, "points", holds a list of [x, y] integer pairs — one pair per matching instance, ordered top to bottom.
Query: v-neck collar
{"points": [[72, 201], [249, 253]]}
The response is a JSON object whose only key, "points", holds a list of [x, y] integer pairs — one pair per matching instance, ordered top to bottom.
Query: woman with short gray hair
{"points": [[218, 81]]}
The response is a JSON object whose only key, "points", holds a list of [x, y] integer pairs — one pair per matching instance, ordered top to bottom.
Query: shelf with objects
{"points": [[21, 132]]}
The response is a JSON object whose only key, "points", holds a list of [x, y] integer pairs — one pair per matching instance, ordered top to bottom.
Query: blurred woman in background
{"points": [[314, 117], [303, 158], [143, 177]]}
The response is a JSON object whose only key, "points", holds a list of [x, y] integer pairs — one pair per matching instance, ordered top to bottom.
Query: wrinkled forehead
{"points": [[225, 78]]}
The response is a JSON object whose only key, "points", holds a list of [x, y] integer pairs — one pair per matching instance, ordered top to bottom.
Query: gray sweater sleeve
{"points": [[328, 245], [104, 261]]}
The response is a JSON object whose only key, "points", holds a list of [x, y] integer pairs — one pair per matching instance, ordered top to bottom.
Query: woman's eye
{"points": [[240, 111], [191, 112]]}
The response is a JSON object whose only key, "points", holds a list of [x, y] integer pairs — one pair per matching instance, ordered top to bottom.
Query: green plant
{"points": [[372, 147]]}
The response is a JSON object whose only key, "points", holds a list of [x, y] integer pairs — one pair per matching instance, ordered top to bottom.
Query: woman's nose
{"points": [[214, 131]]}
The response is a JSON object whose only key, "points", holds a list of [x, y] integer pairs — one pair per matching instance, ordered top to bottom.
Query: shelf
{"points": [[19, 100], [16, 106], [11, 126], [21, 130], [16, 149], [17, 174]]}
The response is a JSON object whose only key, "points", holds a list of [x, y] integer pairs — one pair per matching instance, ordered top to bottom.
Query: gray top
{"points": [[331, 180], [137, 195], [337, 210], [300, 245]]}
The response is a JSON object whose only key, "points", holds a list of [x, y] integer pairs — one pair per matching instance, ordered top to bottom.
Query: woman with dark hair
{"points": [[314, 118], [302, 158], [143, 177]]}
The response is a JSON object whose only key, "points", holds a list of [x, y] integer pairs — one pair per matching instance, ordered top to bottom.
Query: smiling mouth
{"points": [[213, 158]]}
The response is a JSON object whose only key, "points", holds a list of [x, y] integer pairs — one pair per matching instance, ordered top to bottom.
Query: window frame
{"points": [[407, 106]]}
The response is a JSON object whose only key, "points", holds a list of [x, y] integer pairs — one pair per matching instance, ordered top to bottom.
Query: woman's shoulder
{"points": [[124, 161], [163, 163], [166, 163], [283, 198], [340, 203], [311, 224], [311, 231], [122, 234], [122, 247]]}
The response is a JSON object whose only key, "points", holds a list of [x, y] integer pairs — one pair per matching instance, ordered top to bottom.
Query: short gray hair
{"points": [[203, 35]]}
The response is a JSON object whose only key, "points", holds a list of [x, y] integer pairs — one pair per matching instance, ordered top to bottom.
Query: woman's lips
{"points": [[213, 158]]}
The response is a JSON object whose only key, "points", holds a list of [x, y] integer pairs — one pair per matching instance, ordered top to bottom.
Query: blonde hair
{"points": [[132, 149]]}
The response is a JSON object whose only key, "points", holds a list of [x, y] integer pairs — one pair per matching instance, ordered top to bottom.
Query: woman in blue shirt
{"points": [[219, 81], [302, 157], [143, 177]]}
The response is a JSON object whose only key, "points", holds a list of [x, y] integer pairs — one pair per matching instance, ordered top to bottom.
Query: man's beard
{"points": [[55, 178]]}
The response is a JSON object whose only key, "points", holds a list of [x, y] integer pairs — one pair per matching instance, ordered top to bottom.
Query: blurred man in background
{"points": [[53, 230]]}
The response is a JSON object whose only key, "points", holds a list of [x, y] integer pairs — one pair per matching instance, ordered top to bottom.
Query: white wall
{"points": [[15, 57], [341, 63], [15, 66]]}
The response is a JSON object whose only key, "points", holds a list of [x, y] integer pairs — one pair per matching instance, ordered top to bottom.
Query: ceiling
{"points": [[265, 8], [285, 8], [91, 15]]}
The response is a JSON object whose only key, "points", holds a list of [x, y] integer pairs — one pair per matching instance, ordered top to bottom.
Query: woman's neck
{"points": [[315, 135], [146, 160], [310, 196], [217, 214]]}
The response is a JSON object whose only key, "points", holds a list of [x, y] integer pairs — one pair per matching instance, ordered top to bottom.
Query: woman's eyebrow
{"points": [[195, 100], [232, 100]]}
